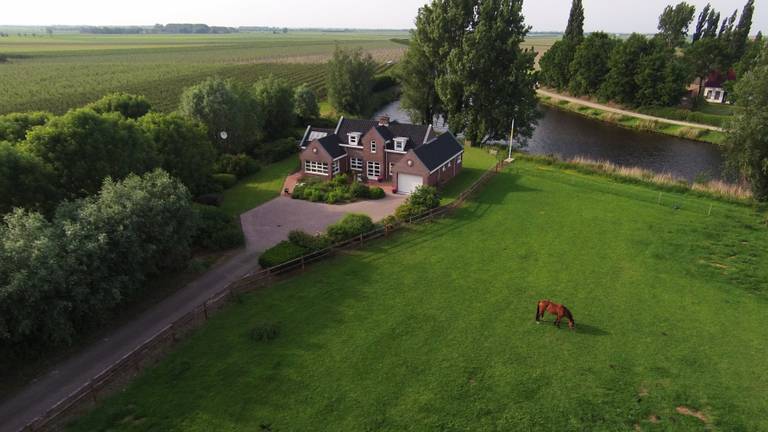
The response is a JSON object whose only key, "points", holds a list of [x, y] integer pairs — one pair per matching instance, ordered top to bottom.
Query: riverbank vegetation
{"points": [[652, 75], [631, 122], [622, 260]]}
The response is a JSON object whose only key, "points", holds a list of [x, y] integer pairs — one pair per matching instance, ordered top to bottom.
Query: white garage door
{"points": [[407, 183]]}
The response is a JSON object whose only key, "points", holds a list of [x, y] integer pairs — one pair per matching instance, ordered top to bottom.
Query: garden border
{"points": [[119, 374]]}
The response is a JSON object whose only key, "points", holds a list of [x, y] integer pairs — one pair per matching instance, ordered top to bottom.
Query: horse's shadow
{"points": [[582, 328]]}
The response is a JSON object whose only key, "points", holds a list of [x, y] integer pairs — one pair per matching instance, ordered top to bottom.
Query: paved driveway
{"points": [[271, 222]]}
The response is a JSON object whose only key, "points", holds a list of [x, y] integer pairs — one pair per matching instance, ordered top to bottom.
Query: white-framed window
{"points": [[354, 138], [400, 143], [373, 146], [458, 160], [356, 164], [449, 164], [314, 167], [336, 167], [444, 168], [374, 169], [391, 169]]}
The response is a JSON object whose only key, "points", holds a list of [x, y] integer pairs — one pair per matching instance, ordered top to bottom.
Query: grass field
{"points": [[65, 71], [433, 329]]}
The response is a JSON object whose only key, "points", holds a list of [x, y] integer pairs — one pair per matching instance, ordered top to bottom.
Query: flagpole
{"points": [[511, 137]]}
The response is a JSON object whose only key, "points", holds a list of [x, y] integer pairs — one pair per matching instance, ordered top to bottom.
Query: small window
{"points": [[354, 139], [400, 144], [373, 146], [458, 160], [356, 164], [336, 167], [391, 168]]}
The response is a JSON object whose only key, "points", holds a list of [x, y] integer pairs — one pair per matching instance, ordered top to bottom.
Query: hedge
{"points": [[281, 253]]}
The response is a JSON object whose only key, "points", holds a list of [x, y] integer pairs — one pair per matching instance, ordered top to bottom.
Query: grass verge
{"points": [[258, 188]]}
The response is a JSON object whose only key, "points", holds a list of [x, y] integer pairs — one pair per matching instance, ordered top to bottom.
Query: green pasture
{"points": [[65, 71], [433, 329]]}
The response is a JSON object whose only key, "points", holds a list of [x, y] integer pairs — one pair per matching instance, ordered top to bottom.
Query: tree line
{"points": [[655, 71]]}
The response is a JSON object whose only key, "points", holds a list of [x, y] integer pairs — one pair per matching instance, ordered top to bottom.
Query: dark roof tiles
{"points": [[438, 151]]}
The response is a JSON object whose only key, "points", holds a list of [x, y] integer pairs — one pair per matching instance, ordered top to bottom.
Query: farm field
{"points": [[70, 70], [65, 71], [433, 329]]}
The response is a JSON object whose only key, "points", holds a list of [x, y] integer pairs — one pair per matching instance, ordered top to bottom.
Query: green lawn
{"points": [[476, 162], [258, 188], [432, 330]]}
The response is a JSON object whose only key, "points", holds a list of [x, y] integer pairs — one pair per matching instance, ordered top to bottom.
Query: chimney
{"points": [[384, 120]]}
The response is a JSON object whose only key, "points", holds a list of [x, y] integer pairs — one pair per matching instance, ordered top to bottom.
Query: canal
{"points": [[566, 135]]}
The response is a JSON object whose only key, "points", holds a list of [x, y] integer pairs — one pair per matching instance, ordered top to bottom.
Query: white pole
{"points": [[511, 137]]}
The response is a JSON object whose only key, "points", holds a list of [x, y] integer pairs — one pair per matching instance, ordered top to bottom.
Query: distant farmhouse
{"points": [[714, 86], [406, 155]]}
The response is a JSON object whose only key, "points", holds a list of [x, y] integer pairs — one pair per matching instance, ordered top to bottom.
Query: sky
{"points": [[616, 16]]}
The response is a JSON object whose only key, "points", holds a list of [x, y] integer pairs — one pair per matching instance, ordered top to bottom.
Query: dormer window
{"points": [[354, 138], [400, 143], [373, 146]]}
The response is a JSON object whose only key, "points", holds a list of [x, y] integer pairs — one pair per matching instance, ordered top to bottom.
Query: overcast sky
{"points": [[619, 16]]}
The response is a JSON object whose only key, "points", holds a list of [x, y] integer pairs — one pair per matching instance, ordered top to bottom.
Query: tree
{"points": [[674, 23], [701, 23], [440, 27], [574, 31], [740, 36], [704, 56], [556, 62], [590, 63], [417, 77], [661, 77], [350, 80], [620, 84], [274, 96], [481, 98], [305, 100], [130, 106], [229, 113], [14, 126], [747, 143], [83, 147], [183, 149], [25, 181]]}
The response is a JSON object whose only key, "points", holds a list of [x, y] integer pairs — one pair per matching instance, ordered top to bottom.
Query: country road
{"points": [[625, 112]]}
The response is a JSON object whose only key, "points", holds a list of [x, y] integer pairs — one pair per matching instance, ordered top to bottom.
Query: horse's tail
{"points": [[569, 315]]}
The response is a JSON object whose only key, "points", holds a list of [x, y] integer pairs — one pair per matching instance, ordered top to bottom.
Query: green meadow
{"points": [[433, 328]]}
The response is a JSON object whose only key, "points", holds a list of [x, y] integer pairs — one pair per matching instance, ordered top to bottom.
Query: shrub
{"points": [[649, 125], [691, 133], [238, 165], [226, 181], [359, 190], [376, 193], [333, 197], [423, 199], [390, 221], [350, 226], [216, 230], [308, 241], [281, 253], [265, 332]]}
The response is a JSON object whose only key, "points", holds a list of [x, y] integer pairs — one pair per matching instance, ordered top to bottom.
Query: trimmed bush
{"points": [[276, 150], [239, 165], [226, 181], [338, 190], [359, 190], [376, 193], [423, 199], [350, 226], [308, 241], [281, 253]]}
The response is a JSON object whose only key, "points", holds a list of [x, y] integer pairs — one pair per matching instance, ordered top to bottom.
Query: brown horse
{"points": [[555, 309]]}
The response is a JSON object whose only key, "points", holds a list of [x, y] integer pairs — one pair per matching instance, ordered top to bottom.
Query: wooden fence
{"points": [[118, 375]]}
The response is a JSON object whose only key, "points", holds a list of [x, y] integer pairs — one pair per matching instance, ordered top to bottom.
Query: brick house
{"points": [[403, 154]]}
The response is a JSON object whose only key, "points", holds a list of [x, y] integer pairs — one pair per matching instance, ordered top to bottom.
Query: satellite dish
{"points": [[224, 135]]}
